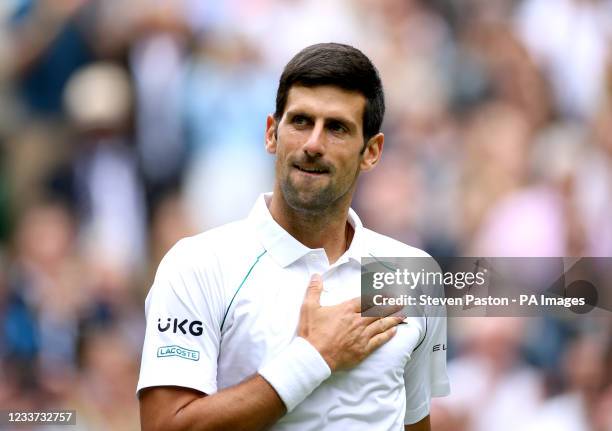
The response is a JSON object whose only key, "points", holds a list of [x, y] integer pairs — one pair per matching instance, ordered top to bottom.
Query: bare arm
{"points": [[341, 336], [250, 405], [422, 425]]}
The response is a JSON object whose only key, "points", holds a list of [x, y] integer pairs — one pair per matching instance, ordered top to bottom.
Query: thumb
{"points": [[313, 292]]}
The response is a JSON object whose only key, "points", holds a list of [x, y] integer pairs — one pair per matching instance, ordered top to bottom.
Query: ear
{"points": [[271, 134], [372, 153]]}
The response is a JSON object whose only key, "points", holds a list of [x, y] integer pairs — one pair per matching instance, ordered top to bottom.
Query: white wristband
{"points": [[297, 371]]}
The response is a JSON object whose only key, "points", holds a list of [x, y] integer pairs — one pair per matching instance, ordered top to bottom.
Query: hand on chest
{"points": [[266, 312]]}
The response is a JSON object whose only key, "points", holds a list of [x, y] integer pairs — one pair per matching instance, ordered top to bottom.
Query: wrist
{"points": [[327, 356], [296, 371]]}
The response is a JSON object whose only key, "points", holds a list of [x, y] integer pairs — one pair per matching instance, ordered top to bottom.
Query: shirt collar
{"points": [[284, 248]]}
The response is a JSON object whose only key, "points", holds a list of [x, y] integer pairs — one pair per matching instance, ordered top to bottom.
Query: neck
{"points": [[327, 229]]}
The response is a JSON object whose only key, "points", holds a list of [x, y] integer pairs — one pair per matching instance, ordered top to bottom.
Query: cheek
{"points": [[289, 136], [288, 145], [281, 146], [281, 153], [282, 165], [350, 166]]}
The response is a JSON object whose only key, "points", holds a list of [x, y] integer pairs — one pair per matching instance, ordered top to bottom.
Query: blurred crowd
{"points": [[126, 125]]}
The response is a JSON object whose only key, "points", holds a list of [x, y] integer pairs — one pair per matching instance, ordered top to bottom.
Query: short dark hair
{"points": [[339, 65]]}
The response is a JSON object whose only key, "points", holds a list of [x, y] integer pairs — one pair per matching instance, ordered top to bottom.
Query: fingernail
{"points": [[316, 277]]}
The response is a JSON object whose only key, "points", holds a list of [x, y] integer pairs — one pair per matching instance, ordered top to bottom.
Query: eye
{"points": [[299, 120], [337, 127]]}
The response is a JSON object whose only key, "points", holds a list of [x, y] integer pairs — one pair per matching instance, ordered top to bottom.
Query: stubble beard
{"points": [[307, 200], [315, 200]]}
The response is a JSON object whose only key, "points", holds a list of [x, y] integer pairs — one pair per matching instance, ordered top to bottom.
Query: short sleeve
{"points": [[183, 313], [425, 373]]}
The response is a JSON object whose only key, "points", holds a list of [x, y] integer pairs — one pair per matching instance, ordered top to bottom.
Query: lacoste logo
{"points": [[181, 352]]}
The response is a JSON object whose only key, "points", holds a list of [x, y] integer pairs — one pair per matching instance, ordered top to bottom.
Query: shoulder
{"points": [[231, 239], [379, 245], [211, 253], [200, 267]]}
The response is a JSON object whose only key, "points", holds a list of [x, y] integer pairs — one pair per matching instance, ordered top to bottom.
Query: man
{"points": [[256, 324]]}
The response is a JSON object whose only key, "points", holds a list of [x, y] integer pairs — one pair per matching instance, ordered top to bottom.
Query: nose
{"points": [[315, 144]]}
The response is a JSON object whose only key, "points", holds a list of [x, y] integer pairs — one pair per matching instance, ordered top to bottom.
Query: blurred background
{"points": [[125, 126]]}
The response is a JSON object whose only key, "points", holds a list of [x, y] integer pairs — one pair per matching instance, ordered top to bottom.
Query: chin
{"points": [[310, 201], [307, 204]]}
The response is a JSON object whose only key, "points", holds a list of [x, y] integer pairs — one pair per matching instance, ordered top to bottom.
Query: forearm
{"points": [[255, 404], [249, 406]]}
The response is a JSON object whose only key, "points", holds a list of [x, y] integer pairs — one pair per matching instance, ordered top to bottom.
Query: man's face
{"points": [[318, 145]]}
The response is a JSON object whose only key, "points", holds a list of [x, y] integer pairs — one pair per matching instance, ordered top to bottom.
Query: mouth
{"points": [[311, 170]]}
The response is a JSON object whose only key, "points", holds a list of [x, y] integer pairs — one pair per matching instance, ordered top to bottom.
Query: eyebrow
{"points": [[342, 120]]}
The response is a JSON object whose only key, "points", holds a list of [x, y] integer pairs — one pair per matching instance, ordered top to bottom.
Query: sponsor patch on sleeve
{"points": [[181, 352]]}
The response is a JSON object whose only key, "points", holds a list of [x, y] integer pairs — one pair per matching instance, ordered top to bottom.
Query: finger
{"points": [[313, 292], [367, 299], [355, 304], [376, 304], [382, 310], [366, 321], [382, 325], [380, 339]]}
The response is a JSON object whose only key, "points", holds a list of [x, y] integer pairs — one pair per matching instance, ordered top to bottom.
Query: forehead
{"points": [[326, 101]]}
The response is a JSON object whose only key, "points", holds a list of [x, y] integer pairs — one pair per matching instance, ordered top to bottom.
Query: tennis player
{"points": [[257, 324]]}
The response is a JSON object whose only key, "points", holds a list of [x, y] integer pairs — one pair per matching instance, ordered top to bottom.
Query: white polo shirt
{"points": [[225, 305]]}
